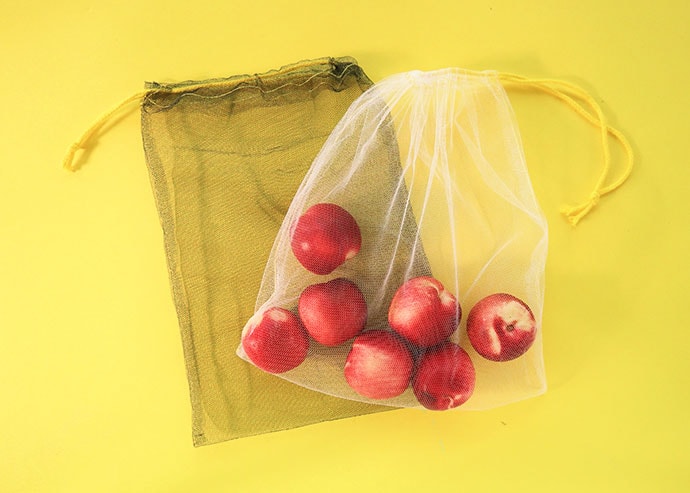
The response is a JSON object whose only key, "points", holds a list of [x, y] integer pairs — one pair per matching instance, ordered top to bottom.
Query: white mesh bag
{"points": [[409, 269]]}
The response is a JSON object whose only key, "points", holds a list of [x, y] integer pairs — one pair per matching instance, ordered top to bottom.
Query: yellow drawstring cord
{"points": [[564, 91], [567, 93], [69, 162]]}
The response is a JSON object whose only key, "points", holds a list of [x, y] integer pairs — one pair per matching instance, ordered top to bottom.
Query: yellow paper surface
{"points": [[93, 380]]}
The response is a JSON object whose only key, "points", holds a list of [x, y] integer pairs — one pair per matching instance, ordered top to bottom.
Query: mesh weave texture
{"points": [[225, 159], [430, 164]]}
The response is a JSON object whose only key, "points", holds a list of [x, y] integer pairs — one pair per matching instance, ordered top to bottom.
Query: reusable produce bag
{"points": [[225, 159], [409, 268]]}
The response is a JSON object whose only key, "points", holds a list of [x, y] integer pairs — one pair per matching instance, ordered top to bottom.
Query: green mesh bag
{"points": [[225, 159]]}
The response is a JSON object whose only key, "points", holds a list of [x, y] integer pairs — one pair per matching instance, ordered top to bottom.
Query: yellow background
{"points": [[91, 367]]}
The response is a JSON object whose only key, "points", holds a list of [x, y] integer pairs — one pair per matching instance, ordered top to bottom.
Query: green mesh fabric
{"points": [[225, 159]]}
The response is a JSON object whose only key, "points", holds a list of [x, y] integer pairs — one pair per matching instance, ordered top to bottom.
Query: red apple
{"points": [[324, 237], [333, 311], [423, 312], [501, 327], [275, 341], [379, 365], [445, 377]]}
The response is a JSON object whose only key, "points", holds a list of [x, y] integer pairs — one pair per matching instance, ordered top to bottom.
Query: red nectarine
{"points": [[324, 237], [333, 311], [424, 312], [501, 327], [275, 341], [379, 365], [445, 377]]}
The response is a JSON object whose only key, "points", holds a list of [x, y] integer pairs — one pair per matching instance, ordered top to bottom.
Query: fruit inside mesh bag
{"points": [[417, 211]]}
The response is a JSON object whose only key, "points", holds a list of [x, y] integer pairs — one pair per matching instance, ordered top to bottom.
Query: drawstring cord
{"points": [[566, 92], [570, 94], [69, 162]]}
